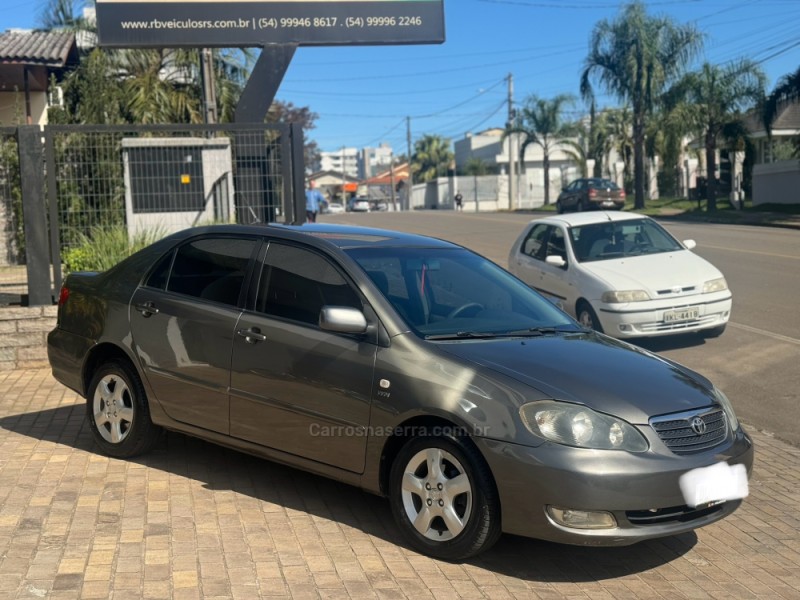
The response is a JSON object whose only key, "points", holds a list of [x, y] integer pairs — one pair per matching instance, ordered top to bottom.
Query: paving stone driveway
{"points": [[192, 520]]}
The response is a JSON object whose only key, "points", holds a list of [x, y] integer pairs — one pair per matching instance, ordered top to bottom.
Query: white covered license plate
{"points": [[686, 314], [714, 484]]}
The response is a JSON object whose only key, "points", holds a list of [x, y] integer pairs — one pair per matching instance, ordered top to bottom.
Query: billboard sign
{"points": [[241, 23]]}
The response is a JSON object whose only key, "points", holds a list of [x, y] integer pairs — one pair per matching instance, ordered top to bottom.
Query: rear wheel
{"points": [[559, 207], [580, 207], [587, 317], [117, 411], [443, 498]]}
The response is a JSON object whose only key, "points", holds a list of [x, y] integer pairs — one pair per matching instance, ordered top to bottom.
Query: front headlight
{"points": [[715, 285], [624, 296], [727, 408], [576, 425]]}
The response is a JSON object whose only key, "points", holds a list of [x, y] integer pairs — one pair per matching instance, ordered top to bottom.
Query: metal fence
{"points": [[146, 181], [10, 198]]}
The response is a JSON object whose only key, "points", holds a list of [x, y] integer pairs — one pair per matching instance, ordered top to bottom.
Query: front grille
{"points": [[671, 292], [677, 433], [674, 514]]}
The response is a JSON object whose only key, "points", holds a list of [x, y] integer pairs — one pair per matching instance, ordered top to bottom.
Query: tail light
{"points": [[592, 193], [622, 193], [63, 295]]}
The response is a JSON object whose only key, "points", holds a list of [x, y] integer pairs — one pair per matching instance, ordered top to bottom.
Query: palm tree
{"points": [[635, 57], [787, 90], [712, 101], [541, 123], [619, 125], [432, 156]]}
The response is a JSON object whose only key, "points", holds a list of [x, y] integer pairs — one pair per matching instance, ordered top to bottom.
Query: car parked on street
{"points": [[589, 193], [358, 204], [334, 208], [622, 274], [411, 367]]}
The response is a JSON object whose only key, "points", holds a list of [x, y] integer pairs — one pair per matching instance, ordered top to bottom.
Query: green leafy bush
{"points": [[103, 247]]}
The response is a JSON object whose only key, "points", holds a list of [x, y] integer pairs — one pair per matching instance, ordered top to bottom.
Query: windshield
{"points": [[615, 239], [443, 292]]}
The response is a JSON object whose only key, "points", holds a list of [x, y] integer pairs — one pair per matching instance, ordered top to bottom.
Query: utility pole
{"points": [[209, 91], [512, 159], [391, 180], [344, 182], [410, 182]]}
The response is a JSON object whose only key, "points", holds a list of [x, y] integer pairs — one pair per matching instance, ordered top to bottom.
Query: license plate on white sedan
{"points": [[686, 314], [715, 484]]}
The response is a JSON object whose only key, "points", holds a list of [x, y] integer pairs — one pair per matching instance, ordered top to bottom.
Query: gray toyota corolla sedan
{"points": [[405, 365]]}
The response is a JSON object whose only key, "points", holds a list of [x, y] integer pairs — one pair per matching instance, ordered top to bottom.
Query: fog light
{"points": [[625, 327], [582, 519]]}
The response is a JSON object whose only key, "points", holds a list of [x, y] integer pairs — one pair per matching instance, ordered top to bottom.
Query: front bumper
{"points": [[640, 319], [640, 490]]}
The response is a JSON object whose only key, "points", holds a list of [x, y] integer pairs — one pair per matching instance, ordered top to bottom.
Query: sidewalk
{"points": [[192, 520]]}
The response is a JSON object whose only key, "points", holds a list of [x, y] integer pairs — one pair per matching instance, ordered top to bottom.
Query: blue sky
{"points": [[363, 94]]}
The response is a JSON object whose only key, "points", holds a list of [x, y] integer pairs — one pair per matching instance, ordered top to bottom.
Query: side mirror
{"points": [[689, 244], [555, 260], [342, 319]]}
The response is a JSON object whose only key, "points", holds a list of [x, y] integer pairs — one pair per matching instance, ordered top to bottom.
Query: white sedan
{"points": [[622, 274]]}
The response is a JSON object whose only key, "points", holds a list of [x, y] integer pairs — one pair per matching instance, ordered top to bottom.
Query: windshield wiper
{"points": [[537, 331], [530, 332], [461, 335]]}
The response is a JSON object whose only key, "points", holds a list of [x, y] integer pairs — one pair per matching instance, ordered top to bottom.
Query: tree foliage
{"points": [[635, 57], [712, 102], [541, 122], [432, 158]]}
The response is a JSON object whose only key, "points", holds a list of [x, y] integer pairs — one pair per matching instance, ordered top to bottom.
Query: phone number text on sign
{"points": [[350, 22]]}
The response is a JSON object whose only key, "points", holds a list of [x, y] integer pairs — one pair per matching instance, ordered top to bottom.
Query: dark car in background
{"points": [[590, 193], [411, 367]]}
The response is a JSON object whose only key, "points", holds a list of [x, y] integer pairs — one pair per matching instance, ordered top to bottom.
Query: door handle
{"points": [[148, 309], [252, 335]]}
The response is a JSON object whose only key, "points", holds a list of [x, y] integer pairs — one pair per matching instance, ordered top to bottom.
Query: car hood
{"points": [[655, 272], [607, 375]]}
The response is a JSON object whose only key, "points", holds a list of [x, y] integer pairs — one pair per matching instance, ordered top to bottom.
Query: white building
{"points": [[344, 160], [375, 160]]}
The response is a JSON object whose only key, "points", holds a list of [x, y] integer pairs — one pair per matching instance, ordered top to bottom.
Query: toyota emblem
{"points": [[698, 425]]}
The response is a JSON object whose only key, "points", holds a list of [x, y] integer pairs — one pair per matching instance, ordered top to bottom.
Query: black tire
{"points": [[559, 207], [580, 207], [587, 317], [714, 331], [117, 411], [475, 512]]}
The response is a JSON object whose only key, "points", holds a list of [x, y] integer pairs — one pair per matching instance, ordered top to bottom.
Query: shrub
{"points": [[102, 248]]}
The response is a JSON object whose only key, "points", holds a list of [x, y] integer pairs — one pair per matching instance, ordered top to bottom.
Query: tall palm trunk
{"points": [[638, 161], [546, 165], [711, 170]]}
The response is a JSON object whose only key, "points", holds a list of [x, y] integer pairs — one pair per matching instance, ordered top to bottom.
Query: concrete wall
{"points": [[777, 183], [23, 336]]}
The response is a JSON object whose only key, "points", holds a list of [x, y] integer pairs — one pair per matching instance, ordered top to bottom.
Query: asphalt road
{"points": [[756, 361]]}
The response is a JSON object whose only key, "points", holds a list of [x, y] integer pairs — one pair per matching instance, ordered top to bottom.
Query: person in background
{"points": [[459, 199], [314, 202]]}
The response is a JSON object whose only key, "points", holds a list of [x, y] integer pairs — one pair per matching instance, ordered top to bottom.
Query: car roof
{"points": [[587, 218], [341, 236]]}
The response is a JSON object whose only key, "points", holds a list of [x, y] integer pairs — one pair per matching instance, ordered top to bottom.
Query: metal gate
{"points": [[145, 180]]}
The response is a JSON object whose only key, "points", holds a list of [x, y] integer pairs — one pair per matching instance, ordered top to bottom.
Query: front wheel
{"points": [[559, 207], [588, 318], [117, 412], [444, 499]]}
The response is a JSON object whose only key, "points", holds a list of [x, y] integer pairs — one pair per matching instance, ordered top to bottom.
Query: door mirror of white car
{"points": [[689, 244], [555, 260], [342, 319]]}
